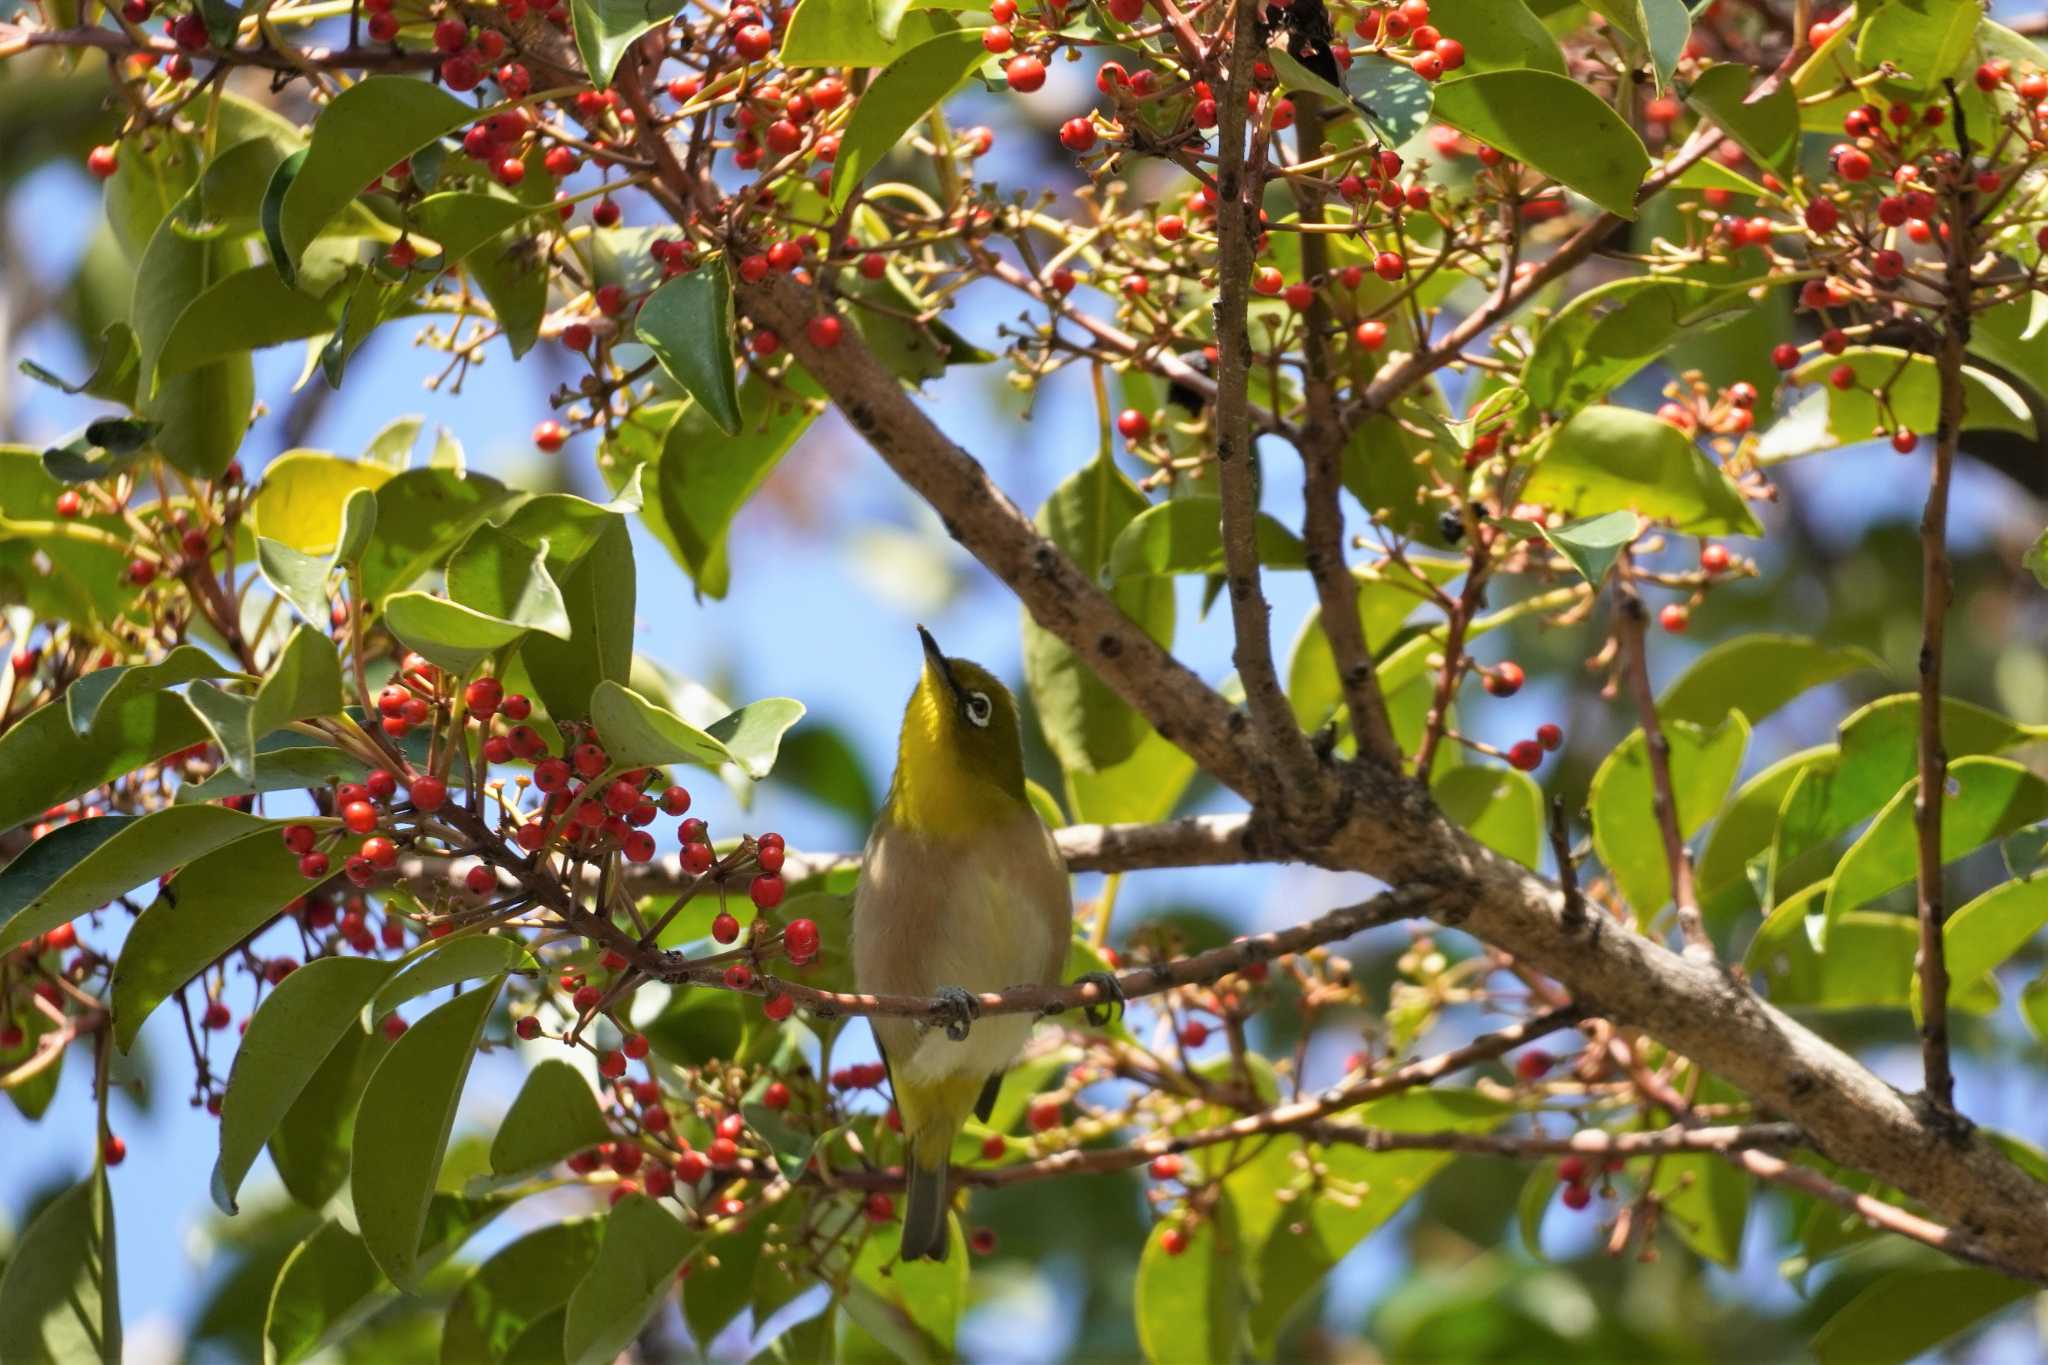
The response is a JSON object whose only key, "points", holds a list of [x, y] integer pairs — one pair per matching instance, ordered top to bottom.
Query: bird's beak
{"points": [[935, 659]]}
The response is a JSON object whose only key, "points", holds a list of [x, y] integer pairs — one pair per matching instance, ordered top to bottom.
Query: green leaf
{"points": [[1670, 28], [605, 29], [845, 33], [1498, 35], [1931, 40], [907, 89], [1397, 101], [1554, 124], [1767, 128], [366, 129], [271, 216], [462, 222], [511, 269], [245, 311], [687, 323], [1600, 339], [204, 414], [1835, 417], [1607, 458], [702, 479], [304, 493], [422, 515], [358, 525], [1185, 535], [1594, 543], [2035, 559], [495, 575], [299, 578], [598, 595], [1388, 595], [451, 635], [1757, 674], [304, 681], [112, 688], [230, 720], [639, 734], [1877, 746], [283, 763], [1703, 767], [1987, 799], [1500, 807], [1745, 826], [2025, 851], [134, 854], [36, 868], [211, 905], [1981, 936], [447, 962], [290, 1036], [32, 1097], [554, 1116], [402, 1129], [311, 1146], [1706, 1202], [1304, 1240], [635, 1270], [330, 1287], [518, 1287], [60, 1298], [913, 1306], [1191, 1306], [1902, 1314]]}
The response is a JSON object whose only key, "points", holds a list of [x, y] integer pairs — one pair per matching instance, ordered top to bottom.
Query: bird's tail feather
{"points": [[925, 1233]]}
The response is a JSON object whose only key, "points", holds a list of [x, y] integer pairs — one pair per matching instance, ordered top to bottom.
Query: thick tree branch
{"points": [[1322, 455]]}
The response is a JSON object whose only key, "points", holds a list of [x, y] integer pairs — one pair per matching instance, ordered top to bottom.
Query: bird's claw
{"points": [[957, 1010], [1100, 1015]]}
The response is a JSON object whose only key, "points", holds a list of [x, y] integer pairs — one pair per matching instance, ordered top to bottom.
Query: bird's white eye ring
{"points": [[977, 708]]}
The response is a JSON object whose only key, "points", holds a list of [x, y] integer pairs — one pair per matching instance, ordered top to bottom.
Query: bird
{"points": [[962, 890]]}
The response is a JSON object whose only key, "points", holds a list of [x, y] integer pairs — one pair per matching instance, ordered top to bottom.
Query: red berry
{"points": [[753, 42], [1025, 74], [1078, 134], [102, 161], [1852, 164], [1389, 266], [1269, 281], [1299, 297], [1370, 334], [1784, 355], [1905, 440], [1674, 618], [1506, 679], [1550, 736], [1525, 754], [428, 793], [674, 801], [359, 816], [297, 838], [697, 859], [313, 866], [480, 880], [766, 890], [800, 940], [739, 976], [777, 1006], [394, 1027], [527, 1028], [1194, 1033], [635, 1046], [611, 1064], [1534, 1064], [776, 1095], [1043, 1115], [993, 1146], [113, 1150], [724, 1153], [1166, 1167], [1572, 1170], [1577, 1196], [879, 1208], [982, 1241], [1173, 1241]]}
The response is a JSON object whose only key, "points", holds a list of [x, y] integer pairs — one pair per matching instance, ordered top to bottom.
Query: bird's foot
{"points": [[957, 1010], [1100, 1015]]}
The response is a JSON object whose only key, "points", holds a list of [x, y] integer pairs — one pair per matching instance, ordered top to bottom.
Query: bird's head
{"points": [[960, 728]]}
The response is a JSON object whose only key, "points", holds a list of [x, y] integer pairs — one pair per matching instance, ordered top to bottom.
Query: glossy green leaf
{"points": [[1669, 28], [605, 29], [844, 33], [1498, 35], [1926, 41], [906, 90], [1554, 124], [1767, 128], [366, 129], [511, 269], [247, 310], [687, 323], [1603, 337], [203, 415], [1832, 417], [1606, 458], [702, 479], [303, 494], [422, 515], [358, 525], [1185, 535], [1594, 543], [495, 575], [299, 578], [1388, 594], [598, 596], [447, 633], [1757, 674], [304, 681], [112, 688], [230, 721], [637, 733], [283, 763], [1987, 798], [1498, 806], [1745, 826], [1625, 836], [2025, 851], [133, 855], [33, 871], [213, 903], [1981, 936], [447, 962], [289, 1037], [554, 1115], [402, 1129], [311, 1146], [1705, 1203], [635, 1270], [721, 1281], [516, 1288], [60, 1297], [1191, 1306], [1906, 1312]]}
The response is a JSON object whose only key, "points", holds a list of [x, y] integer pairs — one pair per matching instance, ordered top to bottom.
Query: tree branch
{"points": [[1322, 454], [1285, 765]]}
